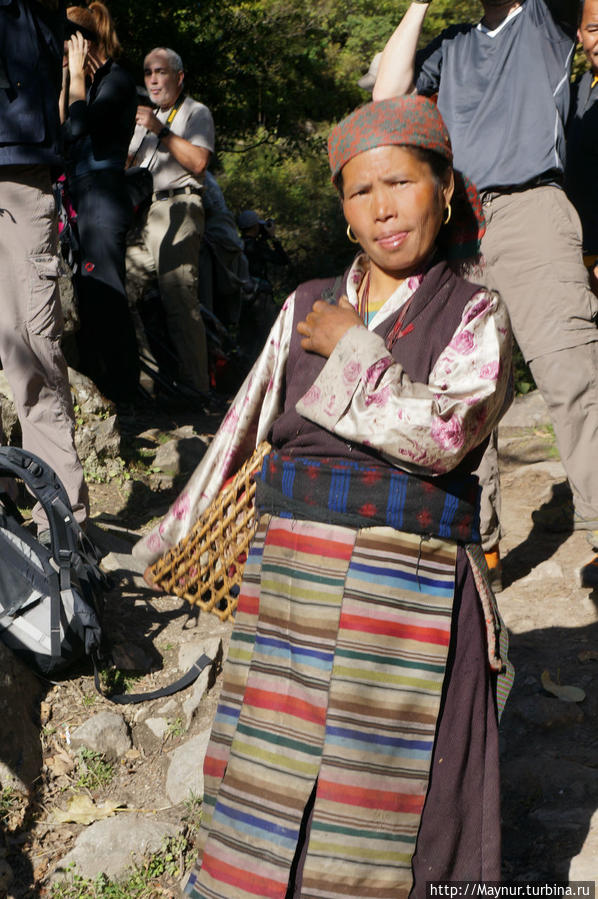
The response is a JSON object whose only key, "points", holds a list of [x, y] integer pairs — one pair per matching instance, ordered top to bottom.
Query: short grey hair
{"points": [[174, 60]]}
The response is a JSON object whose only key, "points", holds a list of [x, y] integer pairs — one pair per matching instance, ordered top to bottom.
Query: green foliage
{"points": [[272, 65], [276, 74], [295, 191], [522, 376], [102, 471], [114, 680], [175, 728], [93, 770], [8, 802], [192, 816]]}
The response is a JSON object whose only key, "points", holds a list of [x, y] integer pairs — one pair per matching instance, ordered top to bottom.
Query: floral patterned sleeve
{"points": [[363, 395], [246, 424]]}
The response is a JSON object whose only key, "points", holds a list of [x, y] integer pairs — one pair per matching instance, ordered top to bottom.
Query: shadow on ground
{"points": [[539, 545], [549, 753]]}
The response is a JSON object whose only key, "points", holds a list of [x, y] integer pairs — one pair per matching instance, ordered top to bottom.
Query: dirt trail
{"points": [[549, 747]]}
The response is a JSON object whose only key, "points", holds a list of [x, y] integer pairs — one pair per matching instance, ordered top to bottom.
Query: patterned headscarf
{"points": [[412, 121]]}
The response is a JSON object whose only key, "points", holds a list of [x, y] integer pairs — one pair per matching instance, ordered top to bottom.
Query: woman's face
{"points": [[394, 206]]}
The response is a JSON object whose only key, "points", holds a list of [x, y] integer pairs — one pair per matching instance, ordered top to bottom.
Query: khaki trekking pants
{"points": [[166, 247], [532, 256], [31, 327]]}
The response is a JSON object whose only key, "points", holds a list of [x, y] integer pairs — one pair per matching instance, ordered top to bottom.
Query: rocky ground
{"points": [[93, 794]]}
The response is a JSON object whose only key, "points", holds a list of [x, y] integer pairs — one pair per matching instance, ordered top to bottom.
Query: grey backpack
{"points": [[51, 599]]}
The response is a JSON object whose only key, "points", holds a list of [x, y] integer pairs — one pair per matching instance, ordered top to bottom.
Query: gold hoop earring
{"points": [[449, 213], [350, 235]]}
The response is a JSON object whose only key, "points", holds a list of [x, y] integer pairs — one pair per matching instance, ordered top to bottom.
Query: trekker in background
{"points": [[31, 50], [503, 91], [98, 105], [175, 141], [581, 173], [261, 245], [262, 248], [223, 267]]}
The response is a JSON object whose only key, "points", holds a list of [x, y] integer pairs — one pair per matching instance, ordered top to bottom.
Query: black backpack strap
{"points": [[47, 487], [11, 507], [131, 698]]}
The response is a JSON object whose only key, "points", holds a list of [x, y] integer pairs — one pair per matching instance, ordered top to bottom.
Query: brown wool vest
{"points": [[434, 314]]}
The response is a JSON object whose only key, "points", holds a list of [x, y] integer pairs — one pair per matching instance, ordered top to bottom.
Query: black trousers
{"points": [[106, 339]]}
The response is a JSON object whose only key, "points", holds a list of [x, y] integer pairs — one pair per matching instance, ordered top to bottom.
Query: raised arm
{"points": [[396, 74]]}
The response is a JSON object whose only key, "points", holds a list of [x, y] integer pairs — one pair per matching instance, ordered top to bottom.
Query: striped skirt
{"points": [[334, 687]]}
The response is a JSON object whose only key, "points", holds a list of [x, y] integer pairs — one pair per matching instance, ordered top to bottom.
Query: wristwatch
{"points": [[164, 132]]}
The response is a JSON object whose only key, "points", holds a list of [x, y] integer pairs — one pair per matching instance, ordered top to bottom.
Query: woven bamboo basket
{"points": [[206, 566]]}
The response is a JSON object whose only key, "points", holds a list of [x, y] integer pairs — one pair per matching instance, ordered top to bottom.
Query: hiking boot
{"points": [[562, 520], [494, 569]]}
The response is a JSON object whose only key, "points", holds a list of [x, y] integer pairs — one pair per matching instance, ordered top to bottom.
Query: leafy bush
{"points": [[294, 189]]}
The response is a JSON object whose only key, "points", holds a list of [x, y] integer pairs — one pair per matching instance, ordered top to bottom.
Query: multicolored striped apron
{"points": [[334, 679]]}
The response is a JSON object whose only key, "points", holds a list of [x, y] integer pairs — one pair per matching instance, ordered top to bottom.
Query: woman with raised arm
{"points": [[98, 105], [355, 748]]}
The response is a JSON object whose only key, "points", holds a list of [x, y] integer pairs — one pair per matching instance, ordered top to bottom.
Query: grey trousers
{"points": [[167, 247], [532, 256], [31, 326]]}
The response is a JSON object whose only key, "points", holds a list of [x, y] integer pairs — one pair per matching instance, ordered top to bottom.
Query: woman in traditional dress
{"points": [[355, 748]]}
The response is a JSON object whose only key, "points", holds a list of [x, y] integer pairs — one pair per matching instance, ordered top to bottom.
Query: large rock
{"points": [[87, 397], [527, 411], [10, 421], [97, 435], [100, 437], [181, 454], [543, 572], [190, 653], [105, 732], [20, 746], [185, 772], [114, 845]]}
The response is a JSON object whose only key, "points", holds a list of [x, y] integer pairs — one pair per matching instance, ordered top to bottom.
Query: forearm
{"points": [[396, 74], [76, 89], [63, 103], [190, 156], [194, 159], [363, 395]]}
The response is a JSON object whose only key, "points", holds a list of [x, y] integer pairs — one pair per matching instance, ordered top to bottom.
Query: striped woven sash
{"points": [[353, 494]]}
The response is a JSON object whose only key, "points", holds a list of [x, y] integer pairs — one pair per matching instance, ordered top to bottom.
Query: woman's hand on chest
{"points": [[324, 326]]}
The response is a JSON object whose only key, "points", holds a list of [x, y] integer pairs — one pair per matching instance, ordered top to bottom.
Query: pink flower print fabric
{"points": [[463, 343], [423, 428], [448, 434]]}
